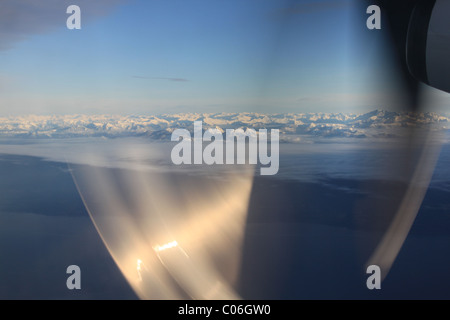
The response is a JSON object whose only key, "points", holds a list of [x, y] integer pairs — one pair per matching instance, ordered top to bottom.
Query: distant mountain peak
{"points": [[376, 123]]}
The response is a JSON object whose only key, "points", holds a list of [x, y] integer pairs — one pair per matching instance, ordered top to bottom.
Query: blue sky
{"points": [[154, 56]]}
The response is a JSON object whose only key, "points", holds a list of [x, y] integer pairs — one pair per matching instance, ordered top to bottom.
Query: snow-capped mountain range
{"points": [[375, 124]]}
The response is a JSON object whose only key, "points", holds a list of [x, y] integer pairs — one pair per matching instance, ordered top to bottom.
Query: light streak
{"points": [[169, 245]]}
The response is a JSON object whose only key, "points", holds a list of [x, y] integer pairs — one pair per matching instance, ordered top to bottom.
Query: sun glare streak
{"points": [[140, 214], [169, 245], [390, 245], [138, 268]]}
